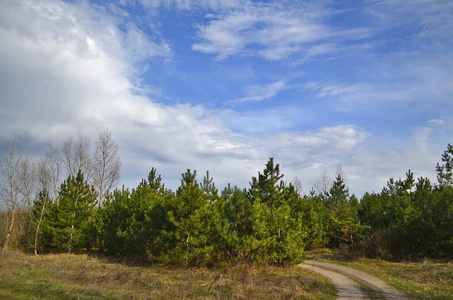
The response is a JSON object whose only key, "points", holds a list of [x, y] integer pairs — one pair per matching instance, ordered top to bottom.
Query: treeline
{"points": [[23, 180], [268, 222]]}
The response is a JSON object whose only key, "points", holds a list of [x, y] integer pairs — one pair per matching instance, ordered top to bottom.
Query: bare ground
{"points": [[346, 282]]}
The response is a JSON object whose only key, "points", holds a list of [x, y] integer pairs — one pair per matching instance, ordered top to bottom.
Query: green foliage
{"points": [[445, 171], [194, 217], [316, 219], [270, 222], [407, 222], [137, 223], [236, 223], [67, 225], [343, 226], [278, 236]]}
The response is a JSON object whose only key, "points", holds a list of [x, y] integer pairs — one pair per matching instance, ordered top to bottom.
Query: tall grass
{"points": [[87, 277]]}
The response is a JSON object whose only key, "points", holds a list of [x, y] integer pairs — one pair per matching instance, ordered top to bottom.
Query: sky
{"points": [[365, 86]]}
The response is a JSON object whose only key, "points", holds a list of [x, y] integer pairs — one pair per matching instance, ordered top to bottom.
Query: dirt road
{"points": [[346, 282]]}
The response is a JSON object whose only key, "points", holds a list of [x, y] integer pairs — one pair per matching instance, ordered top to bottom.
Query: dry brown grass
{"points": [[86, 277]]}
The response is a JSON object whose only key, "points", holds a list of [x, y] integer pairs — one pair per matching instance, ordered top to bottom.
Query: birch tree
{"points": [[76, 156], [52, 163], [106, 165], [14, 168], [48, 175]]}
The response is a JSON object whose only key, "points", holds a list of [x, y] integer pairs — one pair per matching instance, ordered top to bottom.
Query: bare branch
{"points": [[76, 156], [106, 165], [16, 183], [323, 183]]}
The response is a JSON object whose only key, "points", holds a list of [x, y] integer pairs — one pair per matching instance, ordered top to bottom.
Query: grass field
{"points": [[88, 277], [424, 279]]}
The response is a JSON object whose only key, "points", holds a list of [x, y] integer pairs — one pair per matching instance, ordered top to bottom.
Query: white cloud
{"points": [[190, 4], [428, 21], [273, 31], [222, 36], [141, 47], [66, 69], [55, 85], [323, 90], [259, 93], [332, 144], [366, 160]]}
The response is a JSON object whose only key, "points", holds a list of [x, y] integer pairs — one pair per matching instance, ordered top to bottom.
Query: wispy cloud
{"points": [[188, 4], [432, 19], [271, 31], [141, 47], [70, 67], [323, 90], [260, 92]]}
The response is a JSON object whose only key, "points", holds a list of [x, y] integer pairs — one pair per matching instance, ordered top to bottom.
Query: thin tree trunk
{"points": [[100, 194], [72, 227], [37, 228], [10, 231], [70, 236], [70, 239], [187, 250]]}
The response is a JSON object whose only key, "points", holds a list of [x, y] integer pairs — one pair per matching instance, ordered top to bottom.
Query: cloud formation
{"points": [[272, 31], [79, 67], [259, 93]]}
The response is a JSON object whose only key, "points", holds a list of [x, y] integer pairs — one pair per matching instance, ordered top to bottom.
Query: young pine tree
{"points": [[191, 215], [68, 220], [278, 232]]}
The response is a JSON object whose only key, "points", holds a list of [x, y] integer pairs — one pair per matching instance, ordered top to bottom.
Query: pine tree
{"points": [[445, 171], [267, 182], [191, 215], [69, 219], [316, 219], [137, 223], [236, 223], [344, 226], [278, 234]]}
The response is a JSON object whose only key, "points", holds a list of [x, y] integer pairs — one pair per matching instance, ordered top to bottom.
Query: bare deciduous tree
{"points": [[76, 156], [52, 163], [106, 165], [28, 180], [323, 183], [16, 184], [297, 185]]}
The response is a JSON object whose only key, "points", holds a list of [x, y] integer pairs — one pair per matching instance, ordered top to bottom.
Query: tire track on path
{"points": [[347, 288]]}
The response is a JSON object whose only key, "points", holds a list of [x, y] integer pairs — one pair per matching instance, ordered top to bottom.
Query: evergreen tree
{"points": [[445, 171], [266, 184], [209, 188], [192, 216], [114, 217], [69, 219], [316, 219], [137, 223], [236, 223], [344, 226], [278, 235]]}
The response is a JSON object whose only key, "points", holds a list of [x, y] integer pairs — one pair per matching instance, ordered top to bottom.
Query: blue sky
{"points": [[224, 85]]}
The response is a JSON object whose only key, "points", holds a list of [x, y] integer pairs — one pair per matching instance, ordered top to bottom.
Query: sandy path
{"points": [[346, 287], [350, 289]]}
